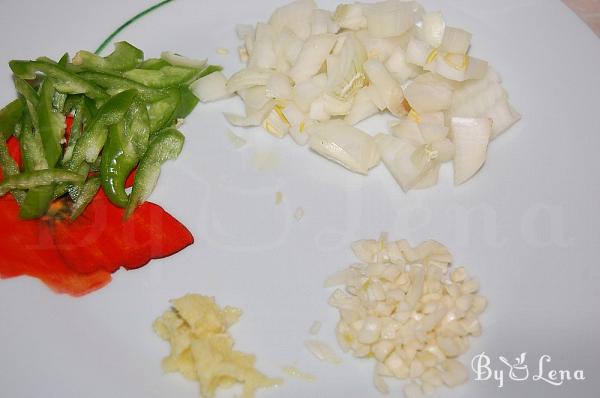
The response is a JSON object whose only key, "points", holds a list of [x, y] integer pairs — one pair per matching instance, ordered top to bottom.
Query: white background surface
{"points": [[526, 226]]}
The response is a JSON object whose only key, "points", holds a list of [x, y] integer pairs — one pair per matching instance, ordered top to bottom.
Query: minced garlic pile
{"points": [[402, 307], [202, 349]]}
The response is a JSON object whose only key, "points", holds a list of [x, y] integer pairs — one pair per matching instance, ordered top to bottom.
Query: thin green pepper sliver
{"points": [[123, 58], [165, 77], [65, 81], [115, 84], [9, 117], [51, 124], [166, 145], [10, 168], [39, 178], [88, 191]]}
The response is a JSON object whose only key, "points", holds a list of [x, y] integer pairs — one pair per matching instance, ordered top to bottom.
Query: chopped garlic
{"points": [[222, 51], [278, 198], [299, 214], [403, 308], [315, 328], [202, 348], [322, 351], [295, 372]]}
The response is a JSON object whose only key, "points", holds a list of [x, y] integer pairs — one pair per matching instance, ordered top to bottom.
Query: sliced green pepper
{"points": [[123, 58], [153, 64], [165, 77], [65, 81], [115, 84], [31, 98], [165, 113], [9, 117], [51, 124], [127, 141], [90, 143], [166, 145], [32, 149], [10, 168], [39, 178], [88, 191]]}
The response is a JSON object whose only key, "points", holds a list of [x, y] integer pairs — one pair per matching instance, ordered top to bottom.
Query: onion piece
{"points": [[295, 16], [350, 16], [389, 18], [322, 22], [432, 28], [456, 41], [288, 46], [381, 48], [314, 52], [263, 54], [180, 60], [399, 67], [347, 76], [247, 78], [386, 85], [279, 86], [211, 87], [429, 93], [362, 107], [471, 138], [344, 144]]}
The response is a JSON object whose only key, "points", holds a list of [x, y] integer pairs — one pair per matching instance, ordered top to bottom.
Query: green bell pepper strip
{"points": [[123, 58], [153, 64], [165, 77], [65, 81], [115, 84], [30, 97], [77, 109], [165, 113], [9, 117], [51, 124], [51, 131], [127, 141], [90, 143], [166, 145], [32, 149], [10, 168], [39, 178], [88, 191], [37, 199]]}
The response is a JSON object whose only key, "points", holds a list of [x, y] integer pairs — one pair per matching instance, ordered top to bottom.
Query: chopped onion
{"points": [[294, 16], [350, 16], [389, 18], [432, 28], [456, 41], [314, 52], [263, 54], [399, 67], [313, 74], [247, 78], [278, 86], [211, 87], [389, 89], [429, 93], [362, 107], [471, 138], [345, 145]]}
